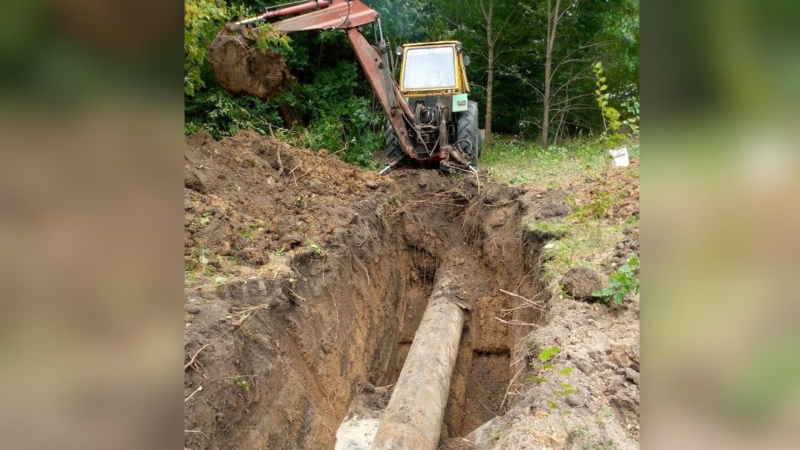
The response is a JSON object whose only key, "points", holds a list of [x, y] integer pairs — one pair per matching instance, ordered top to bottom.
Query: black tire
{"points": [[467, 129], [393, 149]]}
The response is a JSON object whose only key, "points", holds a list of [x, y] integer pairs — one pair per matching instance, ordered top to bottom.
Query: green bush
{"points": [[622, 282]]}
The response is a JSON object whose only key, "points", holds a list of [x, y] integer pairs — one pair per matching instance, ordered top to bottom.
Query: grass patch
{"points": [[524, 162], [585, 237], [578, 242]]}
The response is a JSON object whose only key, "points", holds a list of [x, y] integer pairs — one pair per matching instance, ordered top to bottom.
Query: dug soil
{"points": [[242, 69], [306, 279]]}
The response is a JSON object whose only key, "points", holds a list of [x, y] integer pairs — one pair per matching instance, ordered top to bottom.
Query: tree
{"points": [[554, 15], [495, 40]]}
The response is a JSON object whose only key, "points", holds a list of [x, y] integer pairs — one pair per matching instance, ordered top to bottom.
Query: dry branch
{"points": [[321, 163], [362, 266], [528, 302], [250, 309], [516, 322], [191, 361], [200, 388]]}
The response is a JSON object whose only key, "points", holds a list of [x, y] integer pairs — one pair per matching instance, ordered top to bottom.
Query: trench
{"points": [[336, 337], [478, 382]]}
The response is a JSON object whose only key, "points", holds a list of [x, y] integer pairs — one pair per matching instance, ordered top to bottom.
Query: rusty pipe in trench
{"points": [[414, 416]]}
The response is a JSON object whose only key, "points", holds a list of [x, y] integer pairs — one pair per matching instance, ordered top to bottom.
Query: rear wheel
{"points": [[467, 130], [393, 149]]}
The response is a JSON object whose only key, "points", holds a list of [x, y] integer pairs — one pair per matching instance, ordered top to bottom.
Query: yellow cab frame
{"points": [[461, 87]]}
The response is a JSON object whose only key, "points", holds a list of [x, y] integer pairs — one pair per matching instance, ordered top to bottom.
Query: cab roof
{"points": [[430, 44]]}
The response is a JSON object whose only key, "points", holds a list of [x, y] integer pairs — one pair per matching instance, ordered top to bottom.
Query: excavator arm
{"points": [[348, 15]]}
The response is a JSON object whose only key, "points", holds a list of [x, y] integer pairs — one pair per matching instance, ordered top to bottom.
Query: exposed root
{"points": [[192, 360]]}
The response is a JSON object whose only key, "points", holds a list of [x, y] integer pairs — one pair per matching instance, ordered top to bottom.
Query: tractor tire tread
{"points": [[467, 129], [393, 149]]}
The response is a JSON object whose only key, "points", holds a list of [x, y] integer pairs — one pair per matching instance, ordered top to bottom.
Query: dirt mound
{"points": [[244, 70], [243, 208], [601, 344]]}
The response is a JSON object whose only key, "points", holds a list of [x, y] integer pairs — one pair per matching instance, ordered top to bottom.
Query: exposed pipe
{"points": [[414, 416]]}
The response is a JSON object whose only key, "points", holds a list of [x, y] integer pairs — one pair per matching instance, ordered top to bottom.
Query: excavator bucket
{"points": [[242, 69]]}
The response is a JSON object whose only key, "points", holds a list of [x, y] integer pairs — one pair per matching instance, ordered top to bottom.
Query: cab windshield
{"points": [[429, 68]]}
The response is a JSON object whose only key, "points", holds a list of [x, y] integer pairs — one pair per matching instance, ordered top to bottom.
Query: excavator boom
{"points": [[331, 15]]}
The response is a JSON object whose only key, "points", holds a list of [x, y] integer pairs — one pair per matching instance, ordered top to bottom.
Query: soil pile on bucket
{"points": [[244, 70]]}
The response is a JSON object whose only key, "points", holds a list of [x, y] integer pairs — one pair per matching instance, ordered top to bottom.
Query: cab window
{"points": [[429, 68]]}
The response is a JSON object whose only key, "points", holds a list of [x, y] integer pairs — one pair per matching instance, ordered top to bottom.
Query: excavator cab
{"points": [[435, 68], [433, 81]]}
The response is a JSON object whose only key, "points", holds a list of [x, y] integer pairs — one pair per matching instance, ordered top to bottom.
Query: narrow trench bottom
{"points": [[478, 382], [486, 388], [355, 434]]}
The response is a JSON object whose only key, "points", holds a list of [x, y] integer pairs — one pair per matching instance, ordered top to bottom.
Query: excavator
{"points": [[431, 124]]}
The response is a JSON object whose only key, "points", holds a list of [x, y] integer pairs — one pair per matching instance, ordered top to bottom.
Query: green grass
{"points": [[525, 162], [581, 238], [581, 242]]}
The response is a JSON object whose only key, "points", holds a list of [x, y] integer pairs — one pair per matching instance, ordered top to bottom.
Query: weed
{"points": [[518, 179], [596, 208], [205, 219], [558, 229], [253, 234], [313, 246], [280, 250], [197, 259], [188, 278], [621, 283], [241, 383], [558, 390], [354, 422], [494, 435], [589, 440], [592, 442]]}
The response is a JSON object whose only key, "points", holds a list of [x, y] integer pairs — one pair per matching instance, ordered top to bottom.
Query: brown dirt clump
{"points": [[244, 70], [580, 282]]}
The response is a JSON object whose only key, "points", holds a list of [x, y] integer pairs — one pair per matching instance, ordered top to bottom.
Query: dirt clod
{"points": [[243, 70], [551, 210], [581, 281]]}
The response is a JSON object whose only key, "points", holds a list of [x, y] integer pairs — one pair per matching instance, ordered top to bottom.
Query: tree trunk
{"points": [[552, 25], [490, 41], [546, 100]]}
